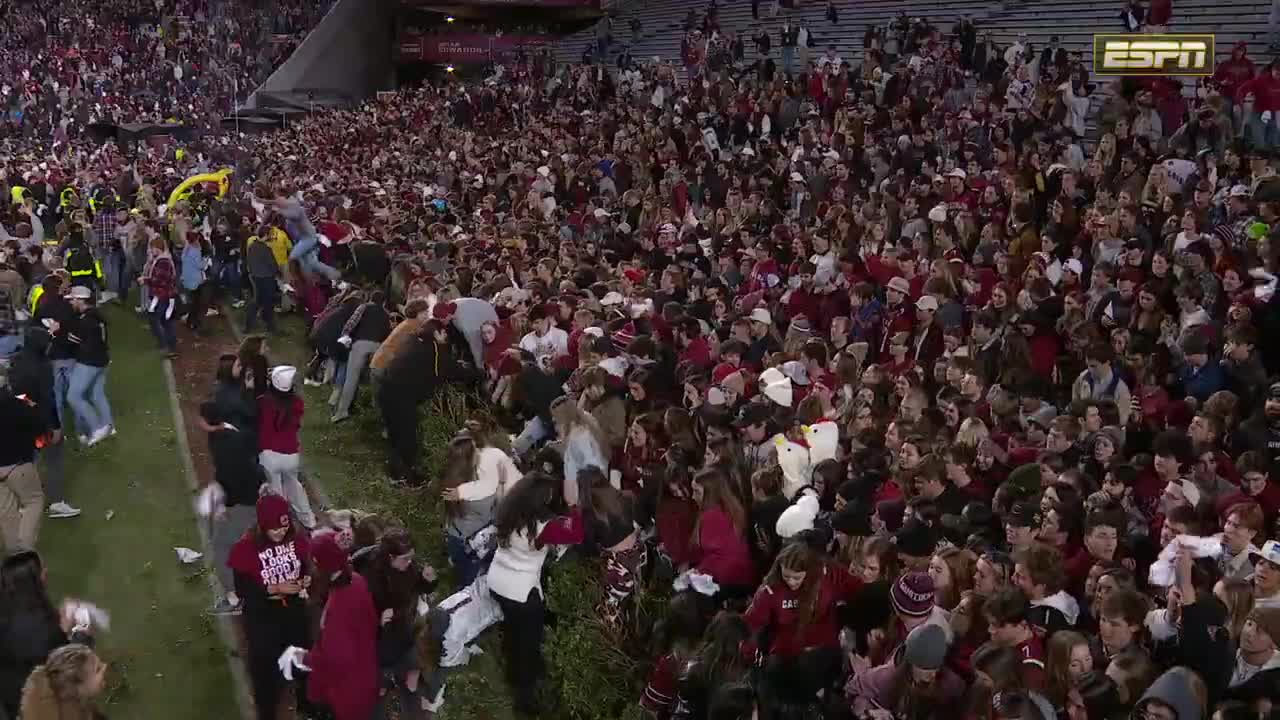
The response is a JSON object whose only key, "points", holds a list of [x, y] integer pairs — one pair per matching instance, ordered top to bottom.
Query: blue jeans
{"points": [[788, 57], [307, 253], [116, 270], [228, 278], [165, 328], [10, 345], [61, 383], [88, 397], [534, 432], [465, 565]]}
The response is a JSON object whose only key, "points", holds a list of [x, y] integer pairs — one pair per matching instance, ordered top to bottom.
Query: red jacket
{"points": [[1160, 12], [1233, 73], [1266, 92], [698, 353], [278, 424], [721, 551], [776, 609], [344, 660]]}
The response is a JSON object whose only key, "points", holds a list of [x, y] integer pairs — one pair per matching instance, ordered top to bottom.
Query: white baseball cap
{"points": [[761, 315], [1270, 552]]}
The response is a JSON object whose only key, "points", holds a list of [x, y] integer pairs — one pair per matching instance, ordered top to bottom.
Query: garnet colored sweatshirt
{"points": [[279, 423], [721, 551], [775, 610], [344, 660]]}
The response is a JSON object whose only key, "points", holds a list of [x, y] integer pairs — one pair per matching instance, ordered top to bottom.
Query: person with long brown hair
{"points": [[475, 478], [611, 525], [719, 546], [952, 571], [396, 579], [796, 609], [1067, 659]]}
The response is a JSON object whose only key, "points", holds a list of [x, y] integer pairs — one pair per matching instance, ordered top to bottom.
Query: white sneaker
{"points": [[342, 286], [288, 288], [237, 304], [211, 312], [311, 383], [113, 431], [100, 434], [84, 439], [63, 510]]}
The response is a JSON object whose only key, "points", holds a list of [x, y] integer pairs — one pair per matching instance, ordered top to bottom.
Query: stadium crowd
{"points": [[923, 409]]}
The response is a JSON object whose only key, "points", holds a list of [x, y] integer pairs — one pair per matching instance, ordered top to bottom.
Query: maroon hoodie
{"points": [[344, 660]]}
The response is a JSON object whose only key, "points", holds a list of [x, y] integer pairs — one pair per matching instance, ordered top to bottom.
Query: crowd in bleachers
{"points": [[923, 406]]}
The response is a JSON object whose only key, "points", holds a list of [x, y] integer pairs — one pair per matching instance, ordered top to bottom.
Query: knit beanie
{"points": [[273, 513], [328, 556], [912, 594], [926, 647]]}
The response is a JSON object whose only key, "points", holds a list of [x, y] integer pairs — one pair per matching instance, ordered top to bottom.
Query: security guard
{"points": [[68, 200], [79, 261]]}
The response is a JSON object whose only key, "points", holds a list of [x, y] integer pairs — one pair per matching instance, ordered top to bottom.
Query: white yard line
{"points": [[226, 629]]}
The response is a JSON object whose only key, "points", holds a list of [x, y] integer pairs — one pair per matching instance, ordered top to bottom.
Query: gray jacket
{"points": [[296, 222]]}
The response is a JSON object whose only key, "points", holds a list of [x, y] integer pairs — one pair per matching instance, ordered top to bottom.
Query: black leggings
{"points": [[400, 415], [522, 631], [267, 638], [796, 680]]}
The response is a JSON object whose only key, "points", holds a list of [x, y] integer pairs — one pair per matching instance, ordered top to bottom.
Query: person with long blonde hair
{"points": [[584, 443], [1236, 595], [64, 687]]}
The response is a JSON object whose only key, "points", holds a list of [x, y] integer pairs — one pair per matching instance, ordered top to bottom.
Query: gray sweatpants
{"points": [[357, 360], [282, 473], [237, 521]]}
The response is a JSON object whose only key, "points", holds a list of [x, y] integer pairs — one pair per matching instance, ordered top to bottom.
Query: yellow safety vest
{"points": [[18, 193], [68, 197], [36, 292]]}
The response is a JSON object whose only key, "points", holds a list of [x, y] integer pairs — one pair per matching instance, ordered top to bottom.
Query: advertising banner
{"points": [[467, 48]]}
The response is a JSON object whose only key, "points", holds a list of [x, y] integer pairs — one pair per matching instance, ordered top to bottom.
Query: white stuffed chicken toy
{"points": [[823, 438], [793, 459]]}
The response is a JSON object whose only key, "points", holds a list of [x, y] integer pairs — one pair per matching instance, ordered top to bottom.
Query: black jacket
{"points": [[54, 307], [374, 325], [90, 339], [420, 368], [31, 374], [21, 422], [235, 464], [26, 639]]}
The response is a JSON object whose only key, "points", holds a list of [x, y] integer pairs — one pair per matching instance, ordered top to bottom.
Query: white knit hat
{"points": [[282, 377], [776, 386]]}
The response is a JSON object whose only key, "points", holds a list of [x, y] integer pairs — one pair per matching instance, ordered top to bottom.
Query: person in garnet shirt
{"points": [[269, 565], [796, 609], [1006, 613]]}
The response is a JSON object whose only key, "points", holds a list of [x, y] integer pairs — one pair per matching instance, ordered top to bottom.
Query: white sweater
{"points": [[516, 569]]}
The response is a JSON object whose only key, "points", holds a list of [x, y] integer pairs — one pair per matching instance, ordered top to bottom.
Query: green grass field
{"points": [[347, 462], [166, 655], [166, 658]]}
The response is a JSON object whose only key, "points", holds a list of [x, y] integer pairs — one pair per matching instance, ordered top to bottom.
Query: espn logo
{"points": [[1137, 54]]}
